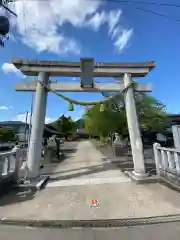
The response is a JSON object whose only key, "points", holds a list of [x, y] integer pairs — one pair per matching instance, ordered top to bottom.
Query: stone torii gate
{"points": [[86, 69]]}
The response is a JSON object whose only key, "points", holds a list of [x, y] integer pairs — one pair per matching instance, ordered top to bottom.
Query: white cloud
{"points": [[113, 19], [97, 20], [39, 23], [120, 35], [123, 39], [10, 68], [74, 79], [4, 108], [22, 118], [49, 120]]}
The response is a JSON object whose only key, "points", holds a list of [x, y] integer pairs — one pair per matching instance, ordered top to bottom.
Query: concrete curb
{"points": [[91, 223]]}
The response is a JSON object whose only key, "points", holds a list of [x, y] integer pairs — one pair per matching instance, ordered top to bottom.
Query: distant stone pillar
{"points": [[38, 119], [134, 131], [17, 152]]}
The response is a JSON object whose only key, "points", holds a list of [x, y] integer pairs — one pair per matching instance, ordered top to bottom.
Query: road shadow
{"points": [[69, 150], [109, 162], [125, 162], [106, 165], [128, 165], [49, 168], [17, 195]]}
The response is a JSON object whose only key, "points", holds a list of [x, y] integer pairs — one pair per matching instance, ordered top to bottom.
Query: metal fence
{"points": [[167, 164]]}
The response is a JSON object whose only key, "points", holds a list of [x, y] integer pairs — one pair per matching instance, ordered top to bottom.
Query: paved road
{"points": [[83, 164], [164, 231]]}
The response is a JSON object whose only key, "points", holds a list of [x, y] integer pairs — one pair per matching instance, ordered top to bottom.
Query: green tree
{"points": [[151, 114], [101, 123], [65, 125], [6, 134]]}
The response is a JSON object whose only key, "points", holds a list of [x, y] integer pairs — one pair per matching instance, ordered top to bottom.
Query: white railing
{"points": [[167, 163], [10, 164]]}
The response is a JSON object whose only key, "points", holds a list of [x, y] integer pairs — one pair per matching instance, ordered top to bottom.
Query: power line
{"points": [[121, 1], [133, 2], [142, 2], [6, 8], [147, 10], [158, 14]]}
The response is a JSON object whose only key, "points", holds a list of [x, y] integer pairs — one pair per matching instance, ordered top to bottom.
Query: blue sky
{"points": [[68, 30]]}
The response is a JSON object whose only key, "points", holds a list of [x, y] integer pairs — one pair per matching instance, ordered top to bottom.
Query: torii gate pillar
{"points": [[38, 119], [134, 130]]}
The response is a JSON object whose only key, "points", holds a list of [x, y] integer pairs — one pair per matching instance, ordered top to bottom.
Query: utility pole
{"points": [[25, 131]]}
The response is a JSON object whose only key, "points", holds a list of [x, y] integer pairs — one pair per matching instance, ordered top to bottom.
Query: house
{"points": [[174, 119], [20, 128], [165, 138]]}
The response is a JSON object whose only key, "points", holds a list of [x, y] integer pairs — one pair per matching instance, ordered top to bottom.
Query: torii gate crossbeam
{"points": [[86, 69]]}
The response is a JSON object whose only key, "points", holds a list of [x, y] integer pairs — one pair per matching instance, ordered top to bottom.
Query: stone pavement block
{"points": [[124, 200]]}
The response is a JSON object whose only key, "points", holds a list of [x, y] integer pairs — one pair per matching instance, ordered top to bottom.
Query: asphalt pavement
{"points": [[167, 231]]}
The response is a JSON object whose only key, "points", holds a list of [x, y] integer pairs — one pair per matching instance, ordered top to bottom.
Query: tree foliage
{"points": [[151, 114], [65, 125], [6, 134]]}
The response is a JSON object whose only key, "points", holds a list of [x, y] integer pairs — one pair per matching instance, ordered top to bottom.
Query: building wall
{"points": [[19, 130], [21, 133]]}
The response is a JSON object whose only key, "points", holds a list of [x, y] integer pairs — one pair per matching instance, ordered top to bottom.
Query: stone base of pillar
{"points": [[31, 175], [141, 177], [34, 183]]}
